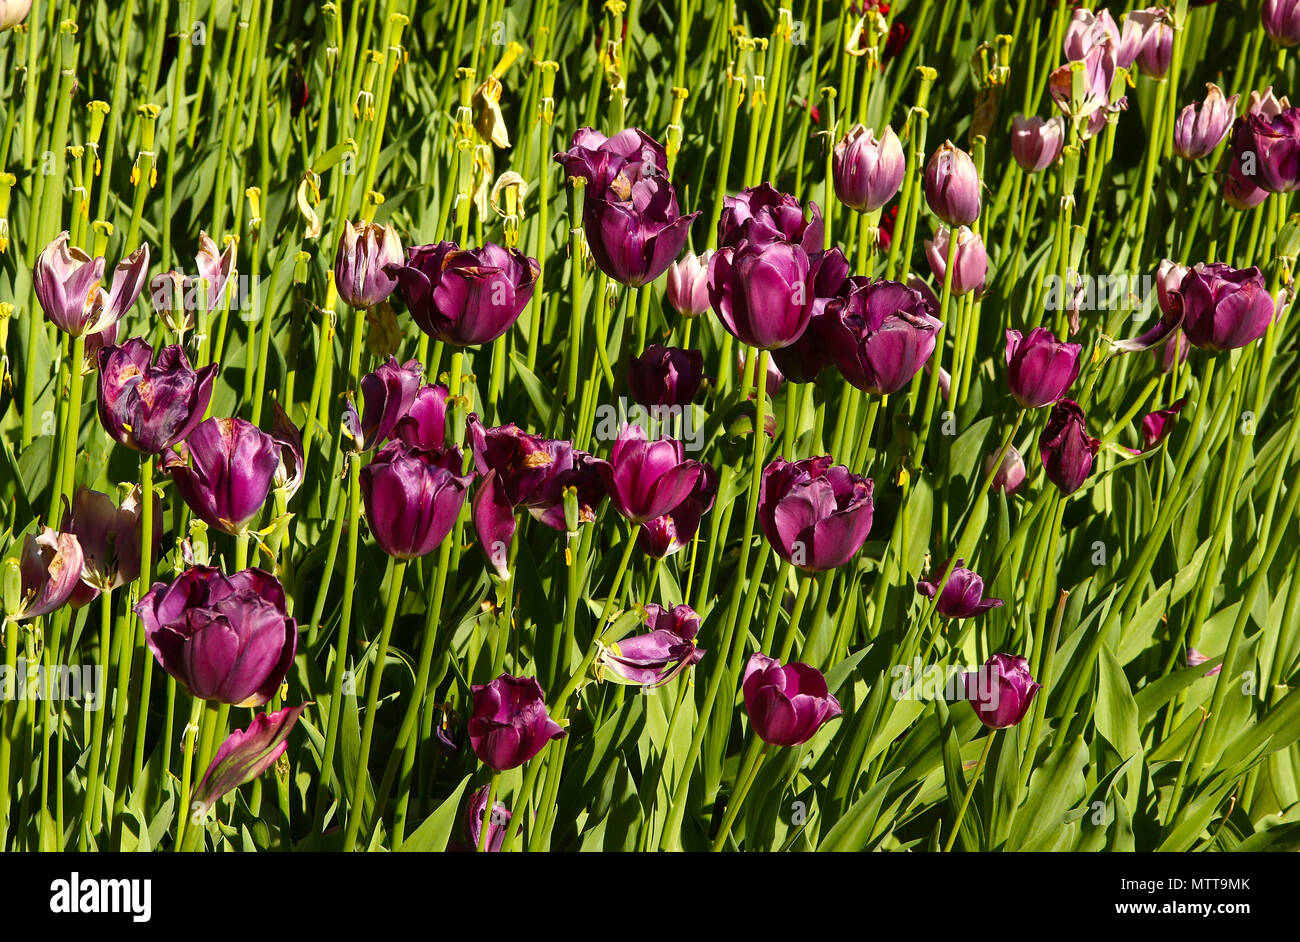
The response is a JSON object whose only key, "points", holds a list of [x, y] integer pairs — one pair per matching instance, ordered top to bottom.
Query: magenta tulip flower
{"points": [[1281, 19], [1202, 127], [1036, 143], [1266, 150], [599, 160], [867, 173], [952, 186], [765, 214], [635, 230], [362, 265], [69, 288], [762, 292], [1225, 308], [880, 333], [1040, 369], [665, 376], [387, 395], [149, 406], [425, 423], [1157, 425], [1066, 448], [225, 470], [647, 479], [413, 497], [814, 513], [671, 532], [962, 595], [653, 659], [1001, 691], [786, 704], [509, 724], [246, 754], [497, 822]]}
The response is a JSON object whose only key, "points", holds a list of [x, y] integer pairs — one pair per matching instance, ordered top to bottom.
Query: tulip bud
{"points": [[1281, 19], [1200, 129], [1035, 143], [868, 172], [952, 186], [365, 254], [971, 262], [688, 284], [762, 292], [1225, 308], [1040, 369], [665, 376], [774, 378], [1157, 425], [1066, 448], [1010, 476], [413, 497], [815, 514], [962, 595], [1001, 691], [786, 704], [509, 724], [246, 754], [497, 822]]}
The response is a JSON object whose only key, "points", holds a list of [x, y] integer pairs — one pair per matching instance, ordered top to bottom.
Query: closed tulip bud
{"points": [[13, 12], [1281, 20], [1086, 30], [1152, 37], [1201, 128], [1037, 143], [1266, 151], [868, 172], [952, 186], [764, 214], [635, 231], [366, 255], [971, 264], [688, 284], [68, 286], [761, 292], [465, 297], [1225, 308], [880, 333], [1040, 369], [665, 376], [387, 395], [149, 407], [425, 423], [1157, 425], [1066, 448], [225, 470], [1010, 476], [647, 479], [413, 497], [815, 514], [667, 534], [110, 538], [50, 566], [962, 595], [223, 638], [655, 658], [1001, 691], [786, 704], [509, 724], [246, 754], [497, 822]]}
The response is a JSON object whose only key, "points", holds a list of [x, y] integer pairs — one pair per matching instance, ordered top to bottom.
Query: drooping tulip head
{"points": [[668, 533], [110, 537], [50, 565], [962, 595], [653, 659], [786, 704], [246, 754]]}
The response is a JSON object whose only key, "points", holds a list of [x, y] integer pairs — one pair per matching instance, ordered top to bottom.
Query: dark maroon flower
{"points": [[1266, 150], [599, 160], [763, 214], [635, 230], [1225, 308], [880, 333], [1040, 369], [665, 376], [387, 395], [149, 407], [425, 423], [1157, 425], [1066, 448], [224, 470], [647, 479], [413, 497], [814, 513], [670, 532], [962, 595], [1001, 691], [786, 705], [509, 724], [247, 753]]}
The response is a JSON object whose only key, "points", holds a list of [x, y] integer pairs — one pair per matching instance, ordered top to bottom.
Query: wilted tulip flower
{"points": [[13, 12], [1281, 19], [1087, 29], [1148, 36], [1098, 75], [1266, 103], [1201, 128], [1035, 143], [1266, 151], [597, 159], [868, 172], [952, 186], [763, 214], [635, 230], [366, 255], [971, 265], [216, 267], [1169, 281], [688, 284], [68, 286], [465, 297], [1225, 308], [880, 333], [1040, 369], [665, 376], [387, 395], [146, 406], [425, 423], [1157, 425], [1066, 448], [293, 464], [225, 470], [522, 471], [1010, 475], [647, 479], [413, 497], [814, 513], [671, 532], [110, 539], [49, 565], [962, 595], [224, 638], [655, 658], [1000, 692], [786, 704], [509, 724], [246, 754], [497, 821]]}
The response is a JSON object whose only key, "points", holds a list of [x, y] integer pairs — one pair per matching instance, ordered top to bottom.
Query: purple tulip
{"points": [[1281, 19], [1086, 30], [1149, 36], [1098, 76], [1267, 104], [1202, 127], [1035, 143], [1266, 151], [599, 160], [868, 172], [952, 186], [764, 214], [636, 231], [366, 254], [971, 265], [216, 267], [1169, 281], [688, 284], [68, 286], [762, 292], [465, 297], [1225, 308], [880, 334], [96, 342], [1040, 369], [665, 376], [387, 395], [149, 407], [425, 423], [1156, 426], [1066, 448], [225, 470], [529, 472], [1010, 476], [647, 479], [413, 497], [815, 514], [667, 534], [110, 538], [50, 566], [962, 595], [224, 638], [655, 658], [1195, 658], [1001, 691], [786, 705], [509, 724], [246, 754], [497, 822]]}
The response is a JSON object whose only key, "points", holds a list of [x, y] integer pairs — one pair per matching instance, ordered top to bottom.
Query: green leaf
{"points": [[433, 834]]}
